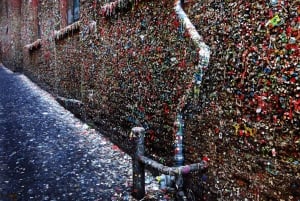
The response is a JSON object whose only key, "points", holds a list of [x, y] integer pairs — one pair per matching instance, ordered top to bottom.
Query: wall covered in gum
{"points": [[137, 67], [249, 109]]}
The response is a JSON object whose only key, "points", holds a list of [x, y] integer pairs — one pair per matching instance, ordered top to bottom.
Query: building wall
{"points": [[30, 30], [10, 34], [68, 62], [136, 67]]}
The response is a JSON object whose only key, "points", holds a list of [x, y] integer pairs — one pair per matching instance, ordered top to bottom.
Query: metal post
{"points": [[138, 166]]}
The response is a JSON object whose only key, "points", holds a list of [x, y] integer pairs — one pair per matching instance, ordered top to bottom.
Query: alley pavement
{"points": [[48, 154]]}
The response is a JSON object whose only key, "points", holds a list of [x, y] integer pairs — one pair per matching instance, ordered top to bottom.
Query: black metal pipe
{"points": [[138, 167], [181, 170]]}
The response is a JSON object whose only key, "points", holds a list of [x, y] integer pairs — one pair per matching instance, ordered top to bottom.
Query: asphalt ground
{"points": [[48, 154]]}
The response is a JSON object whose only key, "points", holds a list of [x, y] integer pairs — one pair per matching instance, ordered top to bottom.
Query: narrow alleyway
{"points": [[48, 154]]}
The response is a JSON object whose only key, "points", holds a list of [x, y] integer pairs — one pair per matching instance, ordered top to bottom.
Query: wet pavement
{"points": [[48, 154]]}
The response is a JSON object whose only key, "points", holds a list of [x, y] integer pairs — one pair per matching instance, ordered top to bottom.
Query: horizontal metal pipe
{"points": [[173, 170]]}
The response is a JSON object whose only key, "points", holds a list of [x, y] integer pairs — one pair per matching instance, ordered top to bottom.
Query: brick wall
{"points": [[30, 33], [10, 34], [136, 68], [248, 111]]}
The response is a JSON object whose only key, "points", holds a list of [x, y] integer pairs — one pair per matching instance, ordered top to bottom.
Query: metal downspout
{"points": [[204, 56]]}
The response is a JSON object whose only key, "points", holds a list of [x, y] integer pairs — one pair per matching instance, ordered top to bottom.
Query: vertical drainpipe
{"points": [[204, 56], [178, 124], [178, 158]]}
